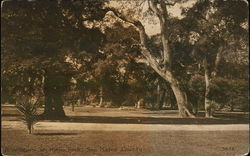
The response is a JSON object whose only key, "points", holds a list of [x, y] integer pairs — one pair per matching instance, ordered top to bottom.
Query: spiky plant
{"points": [[28, 108]]}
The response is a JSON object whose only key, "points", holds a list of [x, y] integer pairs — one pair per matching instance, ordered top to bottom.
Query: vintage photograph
{"points": [[124, 77]]}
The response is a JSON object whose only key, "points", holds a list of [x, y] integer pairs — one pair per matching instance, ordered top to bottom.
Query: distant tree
{"points": [[217, 30], [115, 66], [120, 72]]}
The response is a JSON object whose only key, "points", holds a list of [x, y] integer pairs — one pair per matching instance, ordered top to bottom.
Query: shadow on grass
{"points": [[161, 113], [5, 114], [170, 118], [218, 119], [52, 134]]}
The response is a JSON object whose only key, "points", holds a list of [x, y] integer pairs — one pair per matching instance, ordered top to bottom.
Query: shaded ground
{"points": [[115, 115], [172, 143]]}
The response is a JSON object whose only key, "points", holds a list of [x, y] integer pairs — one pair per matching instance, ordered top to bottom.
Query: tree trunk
{"points": [[210, 73], [180, 95], [82, 96], [101, 96], [162, 98], [172, 100], [194, 100], [48, 101], [53, 101], [182, 101], [208, 101], [100, 102], [139, 103], [58, 104], [157, 104], [232, 105], [195, 108], [30, 128]]}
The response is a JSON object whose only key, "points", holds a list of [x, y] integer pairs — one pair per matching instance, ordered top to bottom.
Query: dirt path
{"points": [[124, 127]]}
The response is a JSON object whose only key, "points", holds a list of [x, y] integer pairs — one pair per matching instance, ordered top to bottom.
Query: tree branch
{"points": [[171, 4], [119, 15], [143, 38], [167, 61], [217, 62]]}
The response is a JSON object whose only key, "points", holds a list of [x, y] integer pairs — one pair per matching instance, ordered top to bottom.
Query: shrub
{"points": [[27, 106]]}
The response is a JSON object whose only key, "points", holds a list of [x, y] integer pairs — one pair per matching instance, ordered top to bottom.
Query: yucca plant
{"points": [[27, 106]]}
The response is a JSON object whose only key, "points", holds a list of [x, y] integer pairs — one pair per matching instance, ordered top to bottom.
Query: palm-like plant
{"points": [[27, 106]]}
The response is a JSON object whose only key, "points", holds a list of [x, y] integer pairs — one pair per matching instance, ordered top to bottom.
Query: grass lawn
{"points": [[15, 141], [172, 143]]}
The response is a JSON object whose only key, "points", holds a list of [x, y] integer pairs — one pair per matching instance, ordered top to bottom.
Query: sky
{"points": [[152, 29]]}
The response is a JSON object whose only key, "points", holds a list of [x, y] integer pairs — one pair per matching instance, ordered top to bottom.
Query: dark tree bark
{"points": [[82, 95], [101, 96], [160, 98], [48, 100], [53, 100], [58, 103], [157, 104]]}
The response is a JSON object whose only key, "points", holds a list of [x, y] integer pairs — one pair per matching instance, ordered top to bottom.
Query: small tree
{"points": [[27, 106]]}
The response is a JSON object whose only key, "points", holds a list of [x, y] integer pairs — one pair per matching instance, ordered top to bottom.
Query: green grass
{"points": [[172, 143]]}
